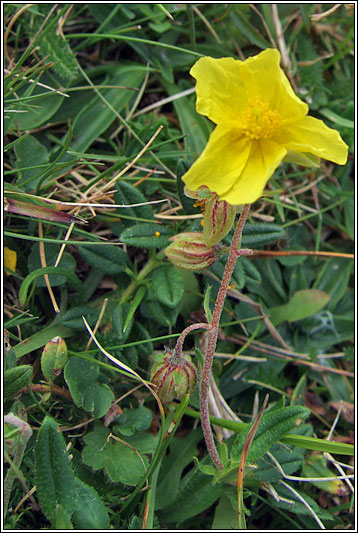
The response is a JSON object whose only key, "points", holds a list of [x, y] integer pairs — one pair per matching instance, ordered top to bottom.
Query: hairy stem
{"points": [[185, 332], [213, 335]]}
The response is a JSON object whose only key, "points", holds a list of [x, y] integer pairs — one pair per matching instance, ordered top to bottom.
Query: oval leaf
{"points": [[146, 236], [108, 259], [167, 285], [303, 304], [16, 378], [81, 378], [55, 480], [90, 511]]}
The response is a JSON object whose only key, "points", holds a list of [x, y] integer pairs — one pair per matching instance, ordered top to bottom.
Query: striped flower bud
{"points": [[219, 217], [189, 251], [53, 358], [174, 376]]}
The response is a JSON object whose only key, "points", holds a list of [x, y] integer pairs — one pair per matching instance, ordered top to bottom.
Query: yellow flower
{"points": [[259, 122], [9, 260]]}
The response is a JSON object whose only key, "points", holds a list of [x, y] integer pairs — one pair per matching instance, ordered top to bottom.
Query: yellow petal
{"points": [[266, 82], [220, 93], [311, 135], [265, 157], [221, 162], [235, 167], [9, 260]]}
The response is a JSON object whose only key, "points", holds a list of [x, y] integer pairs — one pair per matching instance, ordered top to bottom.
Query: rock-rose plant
{"points": [[260, 122]]}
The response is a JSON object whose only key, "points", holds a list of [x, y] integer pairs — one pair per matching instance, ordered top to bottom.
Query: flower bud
{"points": [[219, 217], [189, 251], [53, 358], [174, 376]]}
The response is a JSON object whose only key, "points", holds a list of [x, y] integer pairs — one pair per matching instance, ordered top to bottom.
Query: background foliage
{"points": [[86, 87]]}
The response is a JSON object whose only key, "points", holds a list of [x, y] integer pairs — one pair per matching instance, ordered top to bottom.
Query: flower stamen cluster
{"points": [[260, 122]]}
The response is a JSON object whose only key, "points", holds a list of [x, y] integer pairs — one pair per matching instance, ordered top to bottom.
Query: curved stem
{"points": [[185, 332], [213, 334]]}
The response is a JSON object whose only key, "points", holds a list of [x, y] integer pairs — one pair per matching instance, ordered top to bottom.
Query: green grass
{"points": [[78, 81]]}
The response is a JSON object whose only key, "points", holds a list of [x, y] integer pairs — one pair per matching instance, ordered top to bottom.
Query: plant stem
{"points": [[152, 264], [185, 332], [213, 334]]}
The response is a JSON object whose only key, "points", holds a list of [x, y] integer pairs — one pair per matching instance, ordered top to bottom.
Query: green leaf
{"points": [[247, 29], [54, 47], [38, 111], [95, 117], [336, 119], [196, 127], [30, 153], [126, 195], [186, 202], [349, 213], [145, 235], [255, 235], [109, 259], [67, 262], [249, 269], [238, 275], [72, 278], [333, 279], [168, 285], [139, 295], [191, 299], [303, 304], [162, 314], [73, 317], [120, 319], [39, 339], [81, 377], [15, 379], [133, 420], [273, 426], [142, 441], [322, 445], [182, 451], [289, 460], [121, 463], [55, 480], [196, 493], [298, 506], [89, 510], [225, 515], [62, 521]]}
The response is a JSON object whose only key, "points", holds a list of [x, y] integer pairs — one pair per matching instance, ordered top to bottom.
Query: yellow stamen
{"points": [[260, 122]]}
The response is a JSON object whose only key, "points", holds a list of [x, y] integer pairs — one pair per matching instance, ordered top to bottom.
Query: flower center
{"points": [[260, 122]]}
